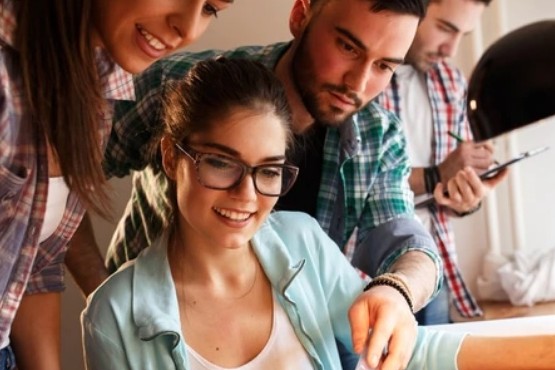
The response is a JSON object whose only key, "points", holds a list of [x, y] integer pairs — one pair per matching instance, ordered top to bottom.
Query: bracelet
{"points": [[431, 178], [469, 212], [394, 281]]}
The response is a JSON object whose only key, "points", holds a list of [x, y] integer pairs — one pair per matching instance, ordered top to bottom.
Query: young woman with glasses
{"points": [[62, 65], [234, 285]]}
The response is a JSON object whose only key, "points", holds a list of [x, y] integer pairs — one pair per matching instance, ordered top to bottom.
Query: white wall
{"points": [[261, 22], [531, 228]]}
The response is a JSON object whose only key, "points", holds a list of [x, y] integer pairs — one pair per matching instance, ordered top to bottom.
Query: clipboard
{"points": [[493, 171]]}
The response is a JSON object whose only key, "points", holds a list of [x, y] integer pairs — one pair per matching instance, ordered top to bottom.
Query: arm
{"points": [[391, 239], [83, 258], [35, 336], [508, 353]]}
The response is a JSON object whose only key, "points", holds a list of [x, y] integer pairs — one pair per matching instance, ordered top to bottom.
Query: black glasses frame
{"points": [[196, 157]]}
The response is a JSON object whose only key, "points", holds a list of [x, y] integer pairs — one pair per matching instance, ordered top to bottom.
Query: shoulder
{"points": [[373, 114], [378, 128], [292, 222], [293, 229], [114, 293]]}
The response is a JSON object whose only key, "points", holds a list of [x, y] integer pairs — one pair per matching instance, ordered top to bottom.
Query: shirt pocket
{"points": [[11, 185]]}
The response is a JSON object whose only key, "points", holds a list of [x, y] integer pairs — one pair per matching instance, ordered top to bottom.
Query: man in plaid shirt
{"points": [[343, 55], [429, 95]]}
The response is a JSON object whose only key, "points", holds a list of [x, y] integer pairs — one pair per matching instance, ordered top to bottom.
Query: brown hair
{"points": [[410, 7], [212, 88], [62, 90]]}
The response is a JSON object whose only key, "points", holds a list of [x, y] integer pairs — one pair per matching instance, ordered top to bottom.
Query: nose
{"points": [[186, 28], [449, 48], [357, 78], [245, 190]]}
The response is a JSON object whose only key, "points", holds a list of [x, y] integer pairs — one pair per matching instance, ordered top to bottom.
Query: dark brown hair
{"points": [[410, 7], [212, 88], [62, 90]]}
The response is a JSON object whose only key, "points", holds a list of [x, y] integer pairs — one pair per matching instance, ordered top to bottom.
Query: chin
{"points": [[132, 63]]}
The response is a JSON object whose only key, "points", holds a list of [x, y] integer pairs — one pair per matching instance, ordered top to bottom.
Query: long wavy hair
{"points": [[62, 90]]}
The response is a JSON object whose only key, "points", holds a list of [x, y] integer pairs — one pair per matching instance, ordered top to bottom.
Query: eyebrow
{"points": [[449, 25], [360, 45], [235, 153]]}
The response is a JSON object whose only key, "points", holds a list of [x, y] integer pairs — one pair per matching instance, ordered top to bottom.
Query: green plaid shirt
{"points": [[366, 154]]}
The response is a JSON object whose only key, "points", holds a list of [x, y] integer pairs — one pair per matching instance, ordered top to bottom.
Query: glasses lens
{"points": [[218, 172], [275, 180]]}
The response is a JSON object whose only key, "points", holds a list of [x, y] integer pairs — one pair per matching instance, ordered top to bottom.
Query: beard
{"points": [[305, 80]]}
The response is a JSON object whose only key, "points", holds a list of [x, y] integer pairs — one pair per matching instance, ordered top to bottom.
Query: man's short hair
{"points": [[486, 2], [410, 7]]}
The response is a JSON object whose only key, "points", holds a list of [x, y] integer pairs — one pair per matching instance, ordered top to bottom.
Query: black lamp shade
{"points": [[513, 83]]}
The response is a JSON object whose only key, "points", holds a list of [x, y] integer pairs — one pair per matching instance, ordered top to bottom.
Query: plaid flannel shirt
{"points": [[447, 91], [374, 174], [27, 266]]}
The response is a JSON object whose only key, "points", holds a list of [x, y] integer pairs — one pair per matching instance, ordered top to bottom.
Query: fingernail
{"points": [[374, 361]]}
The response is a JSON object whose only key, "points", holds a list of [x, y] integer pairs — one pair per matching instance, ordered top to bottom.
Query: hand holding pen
{"points": [[478, 156], [460, 187]]}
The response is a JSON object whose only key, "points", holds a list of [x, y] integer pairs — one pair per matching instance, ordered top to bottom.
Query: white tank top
{"points": [[55, 206], [282, 351]]}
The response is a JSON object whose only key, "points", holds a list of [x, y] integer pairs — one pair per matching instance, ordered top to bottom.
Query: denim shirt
{"points": [[132, 320]]}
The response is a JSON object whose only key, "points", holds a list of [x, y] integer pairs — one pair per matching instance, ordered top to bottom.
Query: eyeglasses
{"points": [[219, 172]]}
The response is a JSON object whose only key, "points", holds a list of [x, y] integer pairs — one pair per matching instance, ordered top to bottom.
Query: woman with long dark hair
{"points": [[62, 65]]}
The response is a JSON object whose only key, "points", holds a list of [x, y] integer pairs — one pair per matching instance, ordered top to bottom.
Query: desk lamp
{"points": [[513, 83]]}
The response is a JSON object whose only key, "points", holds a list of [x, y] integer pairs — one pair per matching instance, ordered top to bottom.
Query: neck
{"points": [[302, 119], [223, 272]]}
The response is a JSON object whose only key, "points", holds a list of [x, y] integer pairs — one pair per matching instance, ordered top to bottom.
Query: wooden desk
{"points": [[503, 310]]}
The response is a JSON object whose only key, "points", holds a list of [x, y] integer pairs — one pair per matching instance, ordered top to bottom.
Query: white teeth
{"points": [[152, 41], [235, 216]]}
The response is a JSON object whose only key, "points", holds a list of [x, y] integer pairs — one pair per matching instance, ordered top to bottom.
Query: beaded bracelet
{"points": [[394, 281]]}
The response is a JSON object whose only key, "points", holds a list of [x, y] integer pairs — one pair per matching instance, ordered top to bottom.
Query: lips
{"points": [[150, 44], [343, 99], [233, 215]]}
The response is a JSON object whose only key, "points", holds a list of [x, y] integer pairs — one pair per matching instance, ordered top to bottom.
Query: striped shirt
{"points": [[447, 91], [27, 266]]}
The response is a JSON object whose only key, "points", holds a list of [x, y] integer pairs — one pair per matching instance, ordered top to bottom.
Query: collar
{"points": [[117, 84], [155, 307]]}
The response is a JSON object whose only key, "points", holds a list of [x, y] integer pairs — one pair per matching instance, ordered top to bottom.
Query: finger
{"points": [[487, 145], [481, 159], [493, 181], [470, 187], [453, 190], [440, 196], [359, 318], [379, 338], [399, 351]]}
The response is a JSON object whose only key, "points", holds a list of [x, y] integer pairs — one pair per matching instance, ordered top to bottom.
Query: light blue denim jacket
{"points": [[132, 320]]}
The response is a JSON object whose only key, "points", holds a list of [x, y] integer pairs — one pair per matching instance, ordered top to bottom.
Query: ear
{"points": [[299, 17], [169, 157]]}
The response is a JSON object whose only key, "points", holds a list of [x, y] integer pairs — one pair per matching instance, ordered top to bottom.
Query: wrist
{"points": [[396, 282]]}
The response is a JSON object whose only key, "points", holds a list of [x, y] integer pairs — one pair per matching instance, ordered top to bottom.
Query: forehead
{"points": [[463, 14], [385, 34], [244, 129]]}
